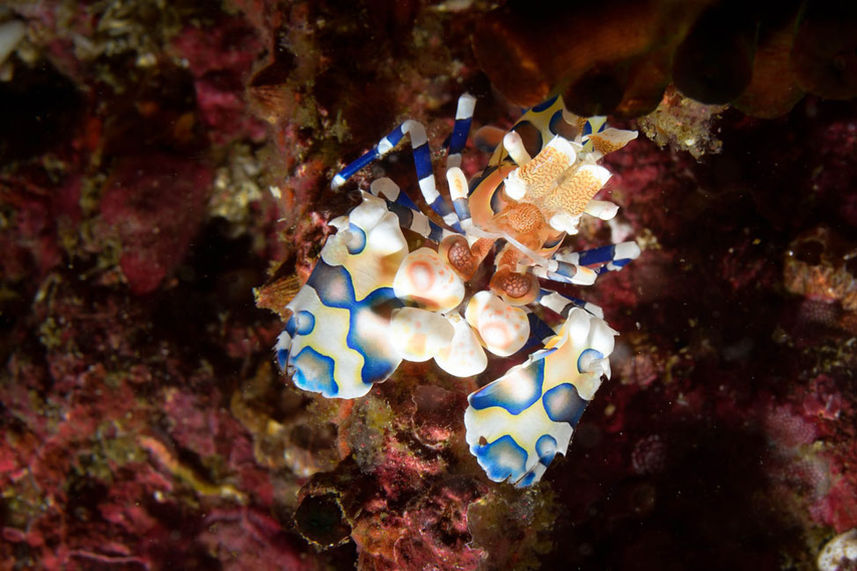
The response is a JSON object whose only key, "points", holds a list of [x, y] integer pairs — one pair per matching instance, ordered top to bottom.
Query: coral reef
{"points": [[158, 161]]}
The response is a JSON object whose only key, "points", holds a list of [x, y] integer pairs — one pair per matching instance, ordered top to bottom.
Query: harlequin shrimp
{"points": [[482, 279]]}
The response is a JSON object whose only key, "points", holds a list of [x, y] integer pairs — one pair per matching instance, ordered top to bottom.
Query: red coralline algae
{"points": [[221, 61], [155, 205], [788, 429], [838, 508], [249, 538], [444, 538]]}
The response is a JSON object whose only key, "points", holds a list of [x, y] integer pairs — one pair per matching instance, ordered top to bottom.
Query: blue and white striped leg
{"points": [[463, 118], [383, 147], [422, 162], [425, 174], [456, 181], [458, 192], [609, 258], [582, 268], [566, 273], [561, 304]]}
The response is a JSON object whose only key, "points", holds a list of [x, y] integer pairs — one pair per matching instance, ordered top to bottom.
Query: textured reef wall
{"points": [[159, 161]]}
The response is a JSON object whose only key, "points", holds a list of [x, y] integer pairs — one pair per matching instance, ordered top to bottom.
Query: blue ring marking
{"points": [[544, 105], [459, 135], [394, 136], [372, 154], [422, 161], [355, 166], [440, 206], [462, 208], [457, 227], [435, 232], [359, 238], [600, 255], [613, 266], [565, 269], [558, 277], [304, 322], [590, 351], [315, 372], [506, 394], [563, 404], [502, 458]]}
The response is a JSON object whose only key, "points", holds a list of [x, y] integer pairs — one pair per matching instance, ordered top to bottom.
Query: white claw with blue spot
{"points": [[336, 340], [516, 424]]}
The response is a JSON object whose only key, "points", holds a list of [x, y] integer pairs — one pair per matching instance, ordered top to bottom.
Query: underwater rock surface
{"points": [[160, 161]]}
